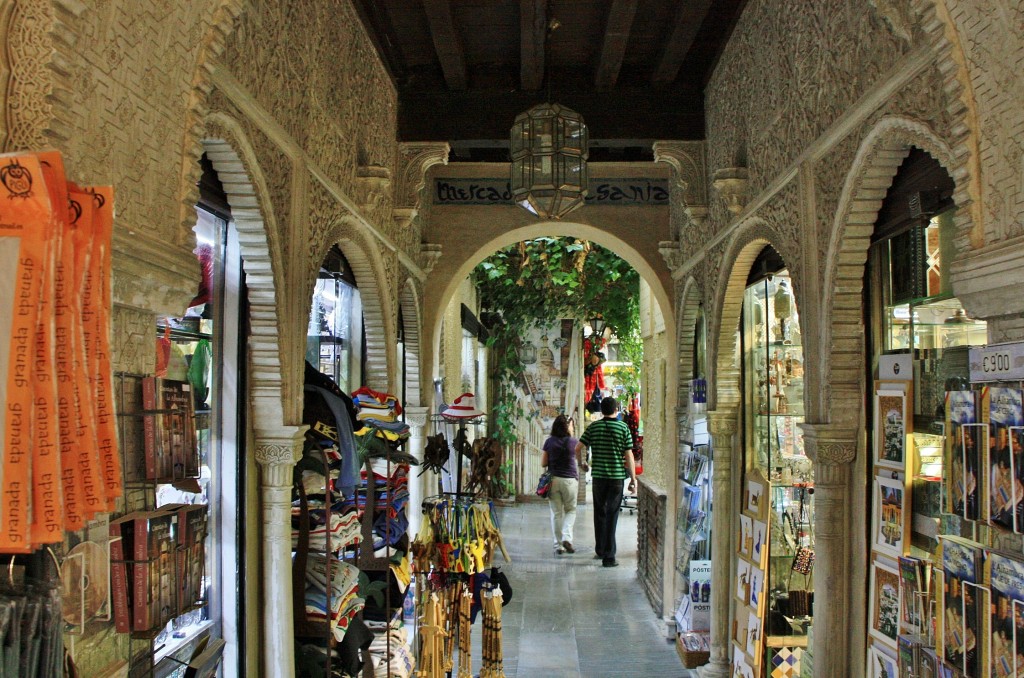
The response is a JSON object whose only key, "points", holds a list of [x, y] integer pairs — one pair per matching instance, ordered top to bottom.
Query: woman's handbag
{"points": [[544, 484]]}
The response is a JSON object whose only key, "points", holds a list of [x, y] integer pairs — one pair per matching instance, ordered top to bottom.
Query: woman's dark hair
{"points": [[560, 427]]}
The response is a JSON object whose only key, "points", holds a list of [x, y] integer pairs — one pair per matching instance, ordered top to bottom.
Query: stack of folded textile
{"points": [[380, 412], [344, 529], [343, 603], [400, 663]]}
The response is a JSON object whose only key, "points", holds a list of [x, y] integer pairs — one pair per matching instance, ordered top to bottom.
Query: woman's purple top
{"points": [[562, 457]]}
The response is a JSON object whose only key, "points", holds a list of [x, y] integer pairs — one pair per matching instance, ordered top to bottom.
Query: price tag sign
{"points": [[1000, 362], [898, 367]]}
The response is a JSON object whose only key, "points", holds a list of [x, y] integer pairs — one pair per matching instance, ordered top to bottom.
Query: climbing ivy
{"points": [[546, 279], [539, 282]]}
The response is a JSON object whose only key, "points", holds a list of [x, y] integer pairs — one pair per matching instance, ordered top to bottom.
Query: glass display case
{"points": [[921, 318], [778, 479]]}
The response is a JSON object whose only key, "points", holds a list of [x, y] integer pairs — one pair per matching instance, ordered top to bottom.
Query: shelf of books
{"points": [[693, 524], [159, 559], [947, 575]]}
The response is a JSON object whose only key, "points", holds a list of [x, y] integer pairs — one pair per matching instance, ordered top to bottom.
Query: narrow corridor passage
{"points": [[569, 616]]}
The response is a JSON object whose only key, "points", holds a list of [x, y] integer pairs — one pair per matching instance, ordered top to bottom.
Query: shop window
{"points": [[914, 313], [335, 341], [203, 348], [928, 482], [776, 535]]}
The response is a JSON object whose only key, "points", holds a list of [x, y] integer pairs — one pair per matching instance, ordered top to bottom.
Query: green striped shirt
{"points": [[608, 440]]}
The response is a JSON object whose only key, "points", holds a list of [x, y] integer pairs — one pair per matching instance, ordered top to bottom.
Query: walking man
{"points": [[612, 461]]}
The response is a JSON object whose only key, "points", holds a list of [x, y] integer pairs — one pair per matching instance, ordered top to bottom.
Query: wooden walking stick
{"points": [[465, 644]]}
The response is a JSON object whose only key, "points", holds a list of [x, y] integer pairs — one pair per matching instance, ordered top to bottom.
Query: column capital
{"points": [[428, 256], [416, 416], [722, 423], [830, 444], [277, 451]]}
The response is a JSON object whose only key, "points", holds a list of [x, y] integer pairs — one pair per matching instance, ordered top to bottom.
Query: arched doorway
{"points": [[444, 283]]}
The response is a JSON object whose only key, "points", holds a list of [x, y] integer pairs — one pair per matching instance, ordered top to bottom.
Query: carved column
{"points": [[416, 418], [722, 424], [832, 449], [276, 453]]}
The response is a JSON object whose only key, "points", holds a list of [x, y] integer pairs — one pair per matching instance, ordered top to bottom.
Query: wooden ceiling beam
{"points": [[689, 18], [533, 19], [377, 22], [446, 43], [613, 46]]}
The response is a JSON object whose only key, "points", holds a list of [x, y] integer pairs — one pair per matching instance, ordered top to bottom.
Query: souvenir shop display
{"points": [[943, 483], [693, 513], [349, 519], [776, 546], [158, 551], [453, 563], [31, 629], [492, 652]]}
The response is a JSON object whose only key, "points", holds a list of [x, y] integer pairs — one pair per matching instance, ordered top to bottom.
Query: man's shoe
{"points": [[567, 545], [559, 550], [610, 562]]}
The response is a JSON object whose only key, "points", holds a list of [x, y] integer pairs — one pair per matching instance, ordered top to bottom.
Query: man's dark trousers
{"points": [[607, 500]]}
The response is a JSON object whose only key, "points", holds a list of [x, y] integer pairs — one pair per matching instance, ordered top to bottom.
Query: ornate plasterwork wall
{"points": [[989, 34], [789, 71], [111, 87], [327, 90], [818, 104], [325, 138], [659, 454]]}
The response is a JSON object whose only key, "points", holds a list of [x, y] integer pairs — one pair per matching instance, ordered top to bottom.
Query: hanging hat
{"points": [[464, 407]]}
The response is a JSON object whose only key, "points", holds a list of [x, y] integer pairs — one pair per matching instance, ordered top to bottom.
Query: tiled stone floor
{"points": [[570, 617]]}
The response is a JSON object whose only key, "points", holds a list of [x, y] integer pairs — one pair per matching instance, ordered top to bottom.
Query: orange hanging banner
{"points": [[25, 215], [80, 223], [96, 305], [79, 457], [73, 476], [47, 522]]}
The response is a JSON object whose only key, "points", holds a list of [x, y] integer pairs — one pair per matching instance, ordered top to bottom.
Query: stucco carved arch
{"points": [[222, 23], [234, 159], [965, 166], [870, 176], [558, 229], [469, 259], [367, 264], [690, 301], [409, 302], [724, 373]]}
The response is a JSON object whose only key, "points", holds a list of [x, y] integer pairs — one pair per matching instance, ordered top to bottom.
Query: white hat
{"points": [[464, 407]]}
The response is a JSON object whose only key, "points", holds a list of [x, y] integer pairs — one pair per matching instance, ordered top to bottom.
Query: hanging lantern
{"points": [[549, 160]]}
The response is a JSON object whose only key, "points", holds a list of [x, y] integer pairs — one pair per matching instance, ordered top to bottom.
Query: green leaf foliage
{"points": [[539, 282]]}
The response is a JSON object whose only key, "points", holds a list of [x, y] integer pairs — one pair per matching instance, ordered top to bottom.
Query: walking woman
{"points": [[560, 459]]}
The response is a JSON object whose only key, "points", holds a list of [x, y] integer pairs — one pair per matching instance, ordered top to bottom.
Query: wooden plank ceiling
{"points": [[635, 69]]}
